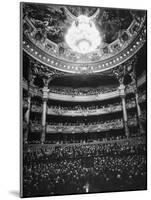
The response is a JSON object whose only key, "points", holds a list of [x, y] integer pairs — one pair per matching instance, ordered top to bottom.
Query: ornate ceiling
{"points": [[119, 34]]}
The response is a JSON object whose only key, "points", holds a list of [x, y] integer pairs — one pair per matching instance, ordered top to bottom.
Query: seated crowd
{"points": [[81, 91], [37, 107], [108, 107], [86, 123], [108, 124], [76, 140], [84, 141], [114, 147], [103, 167]]}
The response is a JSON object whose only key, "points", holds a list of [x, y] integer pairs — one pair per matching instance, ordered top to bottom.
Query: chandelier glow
{"points": [[83, 36]]}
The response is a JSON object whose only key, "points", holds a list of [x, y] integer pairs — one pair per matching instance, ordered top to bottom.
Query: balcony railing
{"points": [[84, 98], [65, 111], [83, 112], [84, 128], [131, 141]]}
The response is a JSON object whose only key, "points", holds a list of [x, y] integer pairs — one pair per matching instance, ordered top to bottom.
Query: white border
{"points": [[9, 101]]}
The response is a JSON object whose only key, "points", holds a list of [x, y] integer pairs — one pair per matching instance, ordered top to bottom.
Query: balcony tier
{"points": [[83, 98], [82, 128], [51, 148]]}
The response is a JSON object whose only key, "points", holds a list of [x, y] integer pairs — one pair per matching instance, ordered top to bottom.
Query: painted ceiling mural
{"points": [[55, 21], [81, 34]]}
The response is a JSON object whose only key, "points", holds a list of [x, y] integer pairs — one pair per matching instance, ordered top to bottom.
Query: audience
{"points": [[81, 91], [104, 108], [104, 167]]}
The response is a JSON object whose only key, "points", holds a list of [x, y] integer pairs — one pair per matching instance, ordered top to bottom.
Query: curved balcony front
{"points": [[34, 91], [97, 97], [83, 98], [111, 108], [84, 112], [84, 128], [51, 148]]}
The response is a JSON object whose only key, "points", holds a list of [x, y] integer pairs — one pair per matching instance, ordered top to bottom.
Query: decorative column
{"points": [[120, 73], [132, 74], [31, 78], [47, 80], [44, 112], [139, 114], [27, 119], [125, 120]]}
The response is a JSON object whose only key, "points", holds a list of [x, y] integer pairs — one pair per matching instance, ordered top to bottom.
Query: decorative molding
{"points": [[70, 66], [78, 68], [84, 112], [84, 128]]}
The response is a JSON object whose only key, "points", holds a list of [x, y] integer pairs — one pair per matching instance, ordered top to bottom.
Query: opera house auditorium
{"points": [[84, 99]]}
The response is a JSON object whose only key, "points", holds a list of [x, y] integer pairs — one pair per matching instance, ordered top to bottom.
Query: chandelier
{"points": [[83, 36]]}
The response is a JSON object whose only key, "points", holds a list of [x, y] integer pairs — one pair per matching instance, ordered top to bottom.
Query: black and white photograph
{"points": [[83, 87]]}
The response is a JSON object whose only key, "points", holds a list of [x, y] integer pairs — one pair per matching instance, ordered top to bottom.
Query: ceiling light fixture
{"points": [[83, 36]]}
